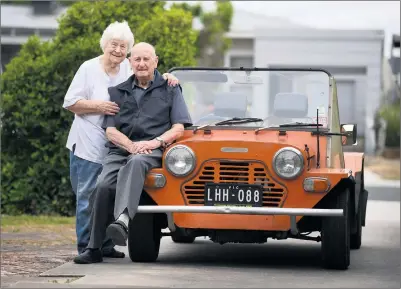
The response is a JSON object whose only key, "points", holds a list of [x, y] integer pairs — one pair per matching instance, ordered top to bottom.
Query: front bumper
{"points": [[242, 210], [292, 212]]}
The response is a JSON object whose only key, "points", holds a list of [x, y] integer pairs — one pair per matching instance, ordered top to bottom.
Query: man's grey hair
{"points": [[118, 31], [146, 45]]}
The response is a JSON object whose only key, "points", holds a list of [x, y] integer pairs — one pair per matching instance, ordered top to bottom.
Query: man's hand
{"points": [[171, 79], [106, 107], [143, 147]]}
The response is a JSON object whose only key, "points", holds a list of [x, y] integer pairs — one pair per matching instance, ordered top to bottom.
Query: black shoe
{"points": [[118, 233], [113, 253], [89, 256]]}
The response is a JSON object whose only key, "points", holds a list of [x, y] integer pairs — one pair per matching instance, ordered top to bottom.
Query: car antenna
{"points": [[318, 135]]}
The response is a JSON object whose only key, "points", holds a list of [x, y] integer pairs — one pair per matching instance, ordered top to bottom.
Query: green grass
{"points": [[27, 220]]}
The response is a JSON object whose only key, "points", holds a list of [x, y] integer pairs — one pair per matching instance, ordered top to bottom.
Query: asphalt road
{"points": [[384, 193], [280, 264]]}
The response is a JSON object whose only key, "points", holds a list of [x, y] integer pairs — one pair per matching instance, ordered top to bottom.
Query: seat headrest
{"points": [[230, 104], [290, 105]]}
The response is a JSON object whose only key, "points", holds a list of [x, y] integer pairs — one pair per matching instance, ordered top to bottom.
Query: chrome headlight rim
{"points": [[171, 150], [298, 153]]}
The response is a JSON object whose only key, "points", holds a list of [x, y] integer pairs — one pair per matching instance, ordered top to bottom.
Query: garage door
{"points": [[346, 101]]}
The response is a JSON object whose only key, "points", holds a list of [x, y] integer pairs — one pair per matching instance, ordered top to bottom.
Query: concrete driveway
{"points": [[289, 263]]}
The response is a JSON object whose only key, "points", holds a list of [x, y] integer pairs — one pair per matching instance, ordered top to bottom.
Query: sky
{"points": [[382, 15]]}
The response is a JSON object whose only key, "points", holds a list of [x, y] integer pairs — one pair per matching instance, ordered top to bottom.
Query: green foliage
{"points": [[196, 10], [90, 18], [174, 26], [211, 42], [391, 114], [35, 161], [30, 221]]}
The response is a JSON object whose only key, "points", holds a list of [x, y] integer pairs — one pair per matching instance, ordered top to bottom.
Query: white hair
{"points": [[119, 31], [146, 45]]}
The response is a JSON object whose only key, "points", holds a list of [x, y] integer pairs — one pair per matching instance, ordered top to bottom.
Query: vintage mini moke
{"points": [[263, 159]]}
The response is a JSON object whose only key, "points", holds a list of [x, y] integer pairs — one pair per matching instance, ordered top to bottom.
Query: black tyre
{"points": [[336, 234], [144, 236], [179, 236], [356, 238]]}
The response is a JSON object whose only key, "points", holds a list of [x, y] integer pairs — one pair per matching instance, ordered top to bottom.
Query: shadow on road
{"points": [[205, 253], [294, 255]]}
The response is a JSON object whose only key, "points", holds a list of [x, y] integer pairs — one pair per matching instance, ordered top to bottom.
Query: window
{"points": [[238, 61], [242, 61], [278, 84]]}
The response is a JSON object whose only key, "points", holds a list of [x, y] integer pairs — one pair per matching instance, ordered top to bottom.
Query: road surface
{"points": [[289, 263]]}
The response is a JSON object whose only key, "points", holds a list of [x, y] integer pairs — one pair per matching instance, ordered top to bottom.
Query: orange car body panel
{"points": [[259, 149], [353, 161]]}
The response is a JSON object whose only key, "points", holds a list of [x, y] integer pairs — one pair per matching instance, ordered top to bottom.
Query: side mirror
{"points": [[350, 131]]}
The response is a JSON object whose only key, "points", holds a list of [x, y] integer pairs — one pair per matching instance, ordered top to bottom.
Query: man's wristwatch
{"points": [[162, 143]]}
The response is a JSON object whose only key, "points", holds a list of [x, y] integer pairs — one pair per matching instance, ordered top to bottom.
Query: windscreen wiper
{"points": [[234, 120], [292, 124], [299, 124]]}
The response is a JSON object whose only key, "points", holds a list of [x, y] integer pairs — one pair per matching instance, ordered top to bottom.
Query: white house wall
{"points": [[354, 50], [360, 93]]}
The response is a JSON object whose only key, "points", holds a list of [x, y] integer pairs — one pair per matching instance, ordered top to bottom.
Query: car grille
{"points": [[249, 172]]}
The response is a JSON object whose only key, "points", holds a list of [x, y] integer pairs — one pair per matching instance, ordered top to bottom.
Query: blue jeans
{"points": [[83, 175]]}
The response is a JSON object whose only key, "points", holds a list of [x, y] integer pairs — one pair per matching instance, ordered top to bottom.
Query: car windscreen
{"points": [[275, 96]]}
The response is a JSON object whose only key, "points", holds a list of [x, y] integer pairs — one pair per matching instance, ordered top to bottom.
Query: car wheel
{"points": [[336, 234], [144, 236], [356, 238]]}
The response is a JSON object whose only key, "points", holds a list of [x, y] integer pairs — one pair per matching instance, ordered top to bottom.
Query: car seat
{"points": [[226, 105]]}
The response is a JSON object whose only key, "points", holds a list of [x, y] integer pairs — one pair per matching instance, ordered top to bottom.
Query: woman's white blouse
{"points": [[91, 82]]}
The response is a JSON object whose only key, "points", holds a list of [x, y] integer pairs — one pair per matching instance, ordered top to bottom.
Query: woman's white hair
{"points": [[119, 31]]}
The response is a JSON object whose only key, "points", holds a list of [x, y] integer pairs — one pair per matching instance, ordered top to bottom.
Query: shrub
{"points": [[391, 114], [35, 161]]}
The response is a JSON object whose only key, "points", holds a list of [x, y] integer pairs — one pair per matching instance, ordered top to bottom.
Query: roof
{"points": [[21, 16], [248, 21], [244, 24], [247, 24]]}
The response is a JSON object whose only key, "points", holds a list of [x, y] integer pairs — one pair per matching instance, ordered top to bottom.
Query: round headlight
{"points": [[180, 160], [288, 163]]}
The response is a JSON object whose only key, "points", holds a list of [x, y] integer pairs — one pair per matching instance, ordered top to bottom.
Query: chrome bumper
{"points": [[242, 210], [292, 212]]}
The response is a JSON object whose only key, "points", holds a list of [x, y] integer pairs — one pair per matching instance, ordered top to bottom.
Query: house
{"points": [[19, 22], [353, 57], [395, 58], [391, 74]]}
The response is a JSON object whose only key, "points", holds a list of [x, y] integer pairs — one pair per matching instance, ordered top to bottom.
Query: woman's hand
{"points": [[171, 79], [107, 107]]}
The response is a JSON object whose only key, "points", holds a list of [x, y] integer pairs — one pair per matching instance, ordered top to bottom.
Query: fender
{"points": [[355, 162]]}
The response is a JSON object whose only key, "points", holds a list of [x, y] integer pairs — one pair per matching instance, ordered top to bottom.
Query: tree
{"points": [[211, 41], [391, 114], [35, 161]]}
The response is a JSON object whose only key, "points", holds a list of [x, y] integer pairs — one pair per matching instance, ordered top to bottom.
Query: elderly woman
{"points": [[88, 98]]}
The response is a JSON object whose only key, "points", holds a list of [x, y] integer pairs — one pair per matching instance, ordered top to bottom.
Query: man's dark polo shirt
{"points": [[146, 113]]}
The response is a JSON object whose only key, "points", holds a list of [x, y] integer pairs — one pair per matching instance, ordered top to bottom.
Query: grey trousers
{"points": [[118, 189]]}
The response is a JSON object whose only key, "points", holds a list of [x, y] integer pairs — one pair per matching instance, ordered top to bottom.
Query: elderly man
{"points": [[88, 99], [152, 115]]}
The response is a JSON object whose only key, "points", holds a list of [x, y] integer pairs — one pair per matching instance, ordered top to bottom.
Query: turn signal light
{"points": [[155, 180], [316, 185]]}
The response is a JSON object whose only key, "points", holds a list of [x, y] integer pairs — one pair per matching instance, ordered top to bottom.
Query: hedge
{"points": [[35, 161]]}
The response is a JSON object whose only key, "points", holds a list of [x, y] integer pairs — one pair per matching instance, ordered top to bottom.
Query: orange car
{"points": [[265, 160]]}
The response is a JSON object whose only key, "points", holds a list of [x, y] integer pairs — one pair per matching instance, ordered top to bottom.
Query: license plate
{"points": [[234, 195]]}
